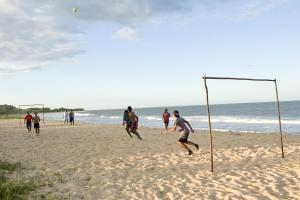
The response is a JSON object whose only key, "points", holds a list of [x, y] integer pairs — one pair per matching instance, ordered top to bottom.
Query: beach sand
{"points": [[102, 162]]}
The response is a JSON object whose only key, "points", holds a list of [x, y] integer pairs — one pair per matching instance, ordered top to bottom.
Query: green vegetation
{"points": [[10, 112], [10, 116], [10, 167], [14, 188]]}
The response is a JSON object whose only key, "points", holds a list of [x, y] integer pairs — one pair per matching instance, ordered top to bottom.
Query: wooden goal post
{"points": [[205, 78], [30, 106]]}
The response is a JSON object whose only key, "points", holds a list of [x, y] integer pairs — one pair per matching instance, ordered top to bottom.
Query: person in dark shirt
{"points": [[71, 116], [166, 118], [127, 121]]}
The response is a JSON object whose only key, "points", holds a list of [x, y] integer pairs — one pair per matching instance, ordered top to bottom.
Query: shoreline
{"points": [[81, 122]]}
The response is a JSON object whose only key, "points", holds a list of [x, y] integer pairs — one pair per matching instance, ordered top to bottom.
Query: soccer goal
{"points": [[205, 78], [40, 108]]}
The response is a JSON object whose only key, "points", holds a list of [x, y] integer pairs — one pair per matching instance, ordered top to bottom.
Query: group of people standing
{"points": [[69, 117], [29, 119], [131, 121]]}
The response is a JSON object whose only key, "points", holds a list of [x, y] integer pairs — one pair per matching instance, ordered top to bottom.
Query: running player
{"points": [[134, 122], [184, 130]]}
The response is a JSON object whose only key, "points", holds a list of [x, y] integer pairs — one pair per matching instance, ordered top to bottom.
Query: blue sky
{"points": [[111, 54]]}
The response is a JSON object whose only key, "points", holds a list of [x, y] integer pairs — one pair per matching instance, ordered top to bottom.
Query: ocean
{"points": [[244, 117]]}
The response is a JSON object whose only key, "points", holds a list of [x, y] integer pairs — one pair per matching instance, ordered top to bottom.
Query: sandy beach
{"points": [[101, 162]]}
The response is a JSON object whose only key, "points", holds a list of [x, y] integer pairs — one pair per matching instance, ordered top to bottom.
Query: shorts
{"points": [[71, 119], [166, 122], [28, 124], [36, 125], [128, 125], [134, 126], [183, 138]]}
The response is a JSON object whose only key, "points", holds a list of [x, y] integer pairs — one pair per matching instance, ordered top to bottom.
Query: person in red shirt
{"points": [[166, 118], [28, 121]]}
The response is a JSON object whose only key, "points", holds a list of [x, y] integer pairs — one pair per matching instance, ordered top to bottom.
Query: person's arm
{"points": [[136, 117], [189, 125], [173, 129]]}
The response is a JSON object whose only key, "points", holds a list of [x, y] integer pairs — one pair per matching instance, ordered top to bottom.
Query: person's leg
{"points": [[166, 126], [127, 130], [136, 133], [194, 144], [186, 147]]}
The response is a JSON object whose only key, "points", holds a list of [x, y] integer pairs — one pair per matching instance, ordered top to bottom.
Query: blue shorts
{"points": [[28, 124]]}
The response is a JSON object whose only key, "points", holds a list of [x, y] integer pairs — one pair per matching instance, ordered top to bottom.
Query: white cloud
{"points": [[240, 10], [35, 33], [125, 33]]}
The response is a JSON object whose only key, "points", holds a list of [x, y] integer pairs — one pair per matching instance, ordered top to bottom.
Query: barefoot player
{"points": [[166, 118], [28, 121], [127, 121], [134, 122], [36, 123], [184, 130]]}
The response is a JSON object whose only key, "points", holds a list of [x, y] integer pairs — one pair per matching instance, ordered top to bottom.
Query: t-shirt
{"points": [[66, 115], [166, 116], [28, 118], [36, 119], [181, 123]]}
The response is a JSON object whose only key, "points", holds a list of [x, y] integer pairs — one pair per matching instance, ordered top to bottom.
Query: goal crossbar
{"points": [[205, 78]]}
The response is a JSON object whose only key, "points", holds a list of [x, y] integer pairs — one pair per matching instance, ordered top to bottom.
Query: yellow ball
{"points": [[74, 10]]}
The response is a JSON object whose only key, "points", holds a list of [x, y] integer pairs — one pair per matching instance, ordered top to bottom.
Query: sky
{"points": [[147, 53]]}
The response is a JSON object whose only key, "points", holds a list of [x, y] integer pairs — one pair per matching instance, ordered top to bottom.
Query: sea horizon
{"points": [[211, 104], [259, 117]]}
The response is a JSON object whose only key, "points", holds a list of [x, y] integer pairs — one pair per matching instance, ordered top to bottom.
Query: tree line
{"points": [[10, 109]]}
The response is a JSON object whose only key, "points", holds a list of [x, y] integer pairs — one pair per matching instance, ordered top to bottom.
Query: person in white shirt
{"points": [[66, 117]]}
